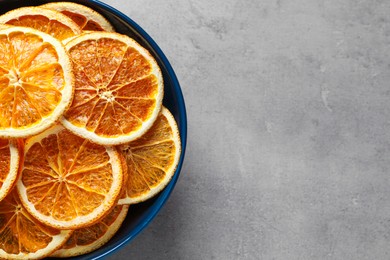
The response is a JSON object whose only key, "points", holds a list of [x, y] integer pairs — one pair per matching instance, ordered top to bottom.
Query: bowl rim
{"points": [[165, 194]]}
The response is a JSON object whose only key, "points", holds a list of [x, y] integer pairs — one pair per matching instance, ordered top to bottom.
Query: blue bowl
{"points": [[140, 215]]}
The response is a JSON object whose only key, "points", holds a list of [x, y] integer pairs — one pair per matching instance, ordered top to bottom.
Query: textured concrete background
{"points": [[289, 144]]}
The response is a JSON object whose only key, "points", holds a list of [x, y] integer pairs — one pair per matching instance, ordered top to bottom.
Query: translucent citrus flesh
{"points": [[83, 22], [44, 24], [31, 80], [115, 90], [5, 158], [150, 158], [67, 176], [19, 231]]}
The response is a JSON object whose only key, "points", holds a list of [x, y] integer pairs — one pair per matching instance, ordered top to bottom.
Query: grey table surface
{"points": [[288, 152]]}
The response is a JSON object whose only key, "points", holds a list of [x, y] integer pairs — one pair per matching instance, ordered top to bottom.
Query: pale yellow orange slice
{"points": [[85, 17], [45, 20], [36, 81], [119, 88], [151, 159], [68, 182], [22, 236], [88, 239]]}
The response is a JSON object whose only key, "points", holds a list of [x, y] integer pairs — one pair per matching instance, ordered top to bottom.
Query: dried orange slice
{"points": [[85, 17], [51, 22], [36, 81], [119, 88], [151, 160], [9, 166], [68, 182], [22, 236], [88, 239]]}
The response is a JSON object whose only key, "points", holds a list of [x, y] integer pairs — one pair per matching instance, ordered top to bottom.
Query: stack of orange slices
{"points": [[83, 132]]}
